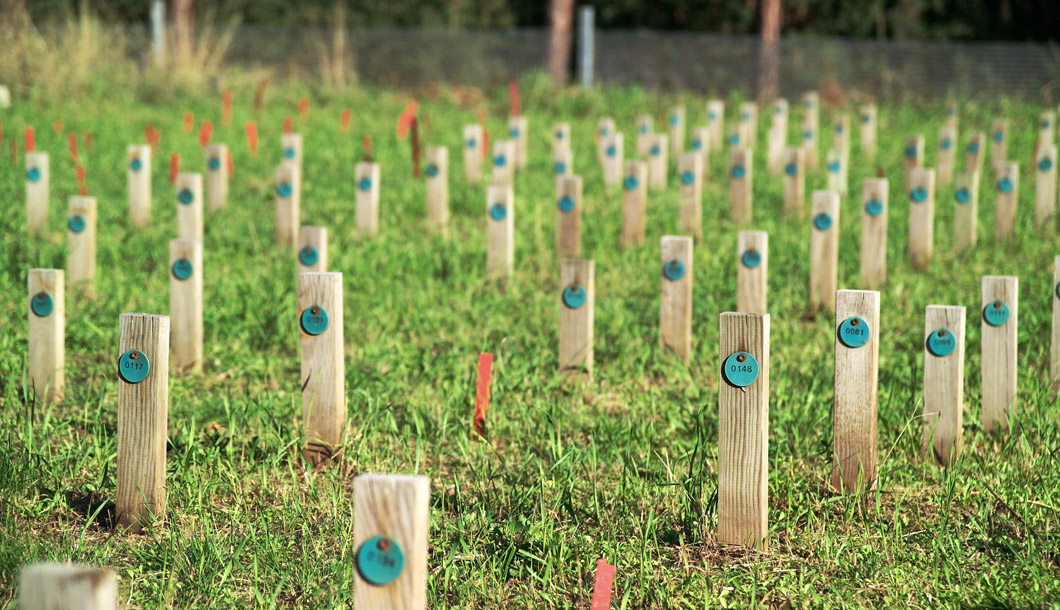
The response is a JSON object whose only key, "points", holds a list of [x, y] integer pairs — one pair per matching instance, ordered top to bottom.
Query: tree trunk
{"points": [[561, 15], [183, 25], [769, 52]]}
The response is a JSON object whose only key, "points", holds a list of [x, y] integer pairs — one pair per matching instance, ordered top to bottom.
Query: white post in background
{"points": [[158, 30], [586, 45]]}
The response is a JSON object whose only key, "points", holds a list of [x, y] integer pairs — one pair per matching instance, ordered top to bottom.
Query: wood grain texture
{"points": [[867, 121], [716, 123], [645, 131], [519, 136], [676, 136], [293, 141], [998, 147], [975, 152], [473, 154], [947, 154], [658, 161], [916, 161], [612, 165], [837, 171], [503, 172], [216, 176], [139, 184], [795, 185], [1045, 185], [438, 190], [38, 193], [691, 193], [741, 199], [367, 200], [634, 204], [1006, 204], [288, 209], [189, 215], [966, 215], [921, 217], [569, 224], [874, 233], [500, 234], [317, 238], [81, 248], [824, 252], [752, 282], [675, 299], [185, 308], [576, 325], [47, 336], [1054, 350], [1000, 355], [323, 377], [943, 387], [143, 410], [854, 420], [743, 436], [398, 507], [53, 586]]}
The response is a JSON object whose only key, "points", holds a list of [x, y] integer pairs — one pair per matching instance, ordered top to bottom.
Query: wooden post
{"points": [[952, 119], [780, 120], [811, 120], [716, 123], [748, 126], [605, 128], [1046, 128], [677, 130], [645, 131], [868, 131], [841, 134], [519, 137], [561, 137], [700, 142], [999, 143], [809, 145], [292, 149], [473, 153], [947, 155], [914, 157], [613, 158], [973, 161], [503, 162], [562, 162], [658, 164], [689, 169], [837, 171], [367, 175], [216, 176], [437, 179], [795, 181], [139, 184], [1045, 185], [1007, 189], [740, 191], [37, 192], [875, 193], [634, 198], [288, 204], [189, 206], [966, 213], [921, 216], [569, 217], [500, 231], [81, 246], [312, 249], [824, 250], [752, 275], [675, 301], [185, 305], [576, 317], [47, 334], [857, 350], [1054, 352], [1000, 355], [323, 381], [943, 382], [143, 407], [743, 430], [391, 514], [53, 586]]}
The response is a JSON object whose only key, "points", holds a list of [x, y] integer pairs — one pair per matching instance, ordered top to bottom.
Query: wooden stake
{"points": [[811, 106], [867, 117], [780, 120], [716, 123], [748, 126], [605, 128], [1046, 128], [645, 131], [677, 131], [841, 134], [518, 136], [560, 137], [775, 140], [700, 142], [999, 143], [809, 145], [292, 149], [473, 153], [947, 155], [914, 157], [613, 158], [973, 161], [503, 162], [658, 162], [562, 163], [689, 169], [837, 171], [367, 175], [216, 176], [795, 181], [139, 184], [1045, 185], [438, 189], [1007, 189], [740, 191], [37, 192], [875, 193], [634, 198], [288, 204], [189, 206], [966, 213], [921, 216], [569, 217], [500, 231], [81, 246], [312, 249], [752, 250], [824, 250], [675, 301], [185, 305], [576, 317], [47, 334], [857, 348], [999, 355], [323, 381], [943, 382], [143, 407], [743, 431], [391, 512], [53, 586]]}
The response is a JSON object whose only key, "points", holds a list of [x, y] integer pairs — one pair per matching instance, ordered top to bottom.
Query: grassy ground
{"points": [[624, 468]]}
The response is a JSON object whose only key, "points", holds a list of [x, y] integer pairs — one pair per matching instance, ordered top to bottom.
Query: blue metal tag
{"points": [[999, 136], [471, 143], [697, 144], [946, 144], [973, 147], [611, 150], [655, 150], [910, 152], [288, 153], [500, 161], [214, 163], [136, 164], [1045, 164], [559, 167], [833, 167], [791, 169], [431, 171], [738, 171], [33, 174], [687, 177], [630, 182], [364, 183], [1005, 185], [284, 189], [918, 194], [963, 195], [185, 196], [566, 203], [873, 207], [498, 211], [822, 222], [76, 223], [308, 256], [751, 258], [182, 269], [673, 270], [574, 296], [41, 304], [996, 313], [314, 320], [854, 332], [941, 343], [133, 366], [740, 369], [380, 560]]}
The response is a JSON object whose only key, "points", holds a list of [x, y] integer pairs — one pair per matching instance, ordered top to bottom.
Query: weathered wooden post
{"points": [[867, 116], [780, 119], [811, 120], [716, 123], [748, 125], [1046, 127], [605, 128], [677, 130], [645, 132], [841, 133], [518, 135], [561, 137], [775, 141], [700, 143], [809, 144], [999, 146], [292, 149], [473, 153], [947, 155], [914, 156], [613, 158], [973, 160], [562, 162], [503, 164], [658, 164], [837, 171], [367, 175], [216, 176], [437, 179], [794, 181], [139, 184], [1045, 185], [1007, 189], [691, 191], [740, 191], [37, 192], [634, 199], [288, 204], [874, 205], [189, 206], [966, 213], [921, 216], [569, 217], [500, 231], [81, 246], [312, 249], [824, 250], [752, 275], [675, 301], [185, 305], [576, 317], [47, 334], [857, 351], [1000, 354], [323, 380], [943, 382], [143, 408], [743, 430], [391, 517], [53, 586]]}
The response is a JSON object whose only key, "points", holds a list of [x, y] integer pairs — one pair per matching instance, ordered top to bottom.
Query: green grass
{"points": [[624, 468]]}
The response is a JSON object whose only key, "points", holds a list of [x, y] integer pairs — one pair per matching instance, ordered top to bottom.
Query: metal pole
{"points": [[158, 30], [586, 45]]}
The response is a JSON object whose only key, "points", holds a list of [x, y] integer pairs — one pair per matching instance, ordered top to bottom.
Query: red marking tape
{"points": [[259, 96], [303, 108], [406, 118], [189, 122], [344, 122], [58, 125], [288, 125], [1, 132], [485, 132], [205, 133], [152, 137], [252, 138], [31, 140], [88, 140], [414, 141], [72, 142], [366, 144], [174, 167], [231, 167], [81, 180], [482, 391], [605, 581]]}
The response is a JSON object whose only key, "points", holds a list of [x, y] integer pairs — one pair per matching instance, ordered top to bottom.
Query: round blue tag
{"points": [[808, 104], [951, 112], [713, 116], [745, 116], [865, 118], [673, 120], [1045, 123], [839, 128], [642, 129], [603, 131], [513, 132], [559, 134], [807, 135], [999, 136], [734, 139], [471, 143], [697, 144], [946, 144], [973, 147], [611, 150], [655, 150], [910, 152], [288, 153], [500, 161], [214, 163], [136, 164], [1045, 164], [559, 167], [833, 167], [791, 169], [431, 171], [738, 171], [33, 174], [687, 177], [630, 182], [365, 183], [1004, 185], [284, 189], [918, 194], [963, 195], [185, 196], [566, 203], [873, 207], [498, 211], [822, 222], [76, 223], [308, 256], [751, 258], [182, 269], [673, 270], [1056, 291], [574, 296], [41, 304], [996, 313], [314, 320], [853, 332], [941, 343], [133, 366], [740, 369], [380, 560]]}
